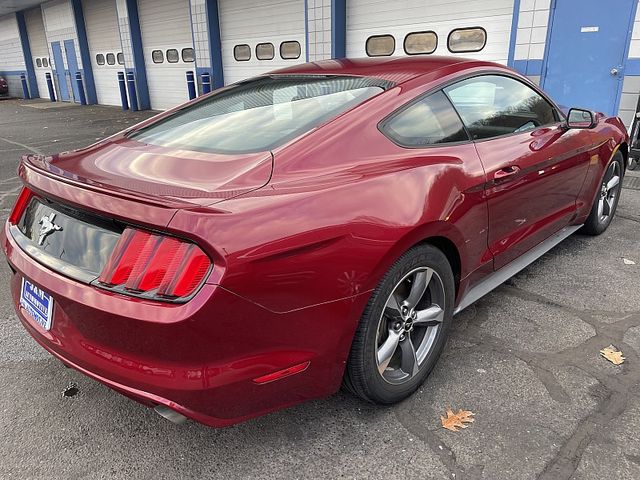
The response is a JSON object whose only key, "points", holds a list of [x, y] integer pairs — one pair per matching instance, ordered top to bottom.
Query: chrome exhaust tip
{"points": [[169, 414]]}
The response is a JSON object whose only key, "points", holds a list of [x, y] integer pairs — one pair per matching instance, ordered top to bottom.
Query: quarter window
{"points": [[467, 40], [417, 43], [380, 45], [290, 50], [265, 51], [242, 53], [188, 55], [157, 56], [172, 56], [120, 58], [100, 59], [111, 59], [38, 62], [494, 105], [429, 121]]}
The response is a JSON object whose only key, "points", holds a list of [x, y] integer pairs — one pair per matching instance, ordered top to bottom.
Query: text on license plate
{"points": [[37, 303]]}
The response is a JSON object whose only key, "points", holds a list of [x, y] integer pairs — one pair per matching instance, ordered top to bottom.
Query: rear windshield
{"points": [[260, 114]]}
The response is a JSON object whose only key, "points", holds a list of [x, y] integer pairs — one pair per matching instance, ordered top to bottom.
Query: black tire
{"points": [[596, 223], [363, 376]]}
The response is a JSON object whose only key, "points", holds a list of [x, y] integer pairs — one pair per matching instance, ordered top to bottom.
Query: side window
{"points": [[495, 105], [429, 121]]}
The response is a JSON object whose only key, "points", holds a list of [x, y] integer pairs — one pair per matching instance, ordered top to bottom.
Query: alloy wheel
{"points": [[609, 192], [409, 324]]}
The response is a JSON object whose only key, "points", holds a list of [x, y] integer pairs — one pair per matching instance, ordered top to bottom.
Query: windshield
{"points": [[260, 114]]}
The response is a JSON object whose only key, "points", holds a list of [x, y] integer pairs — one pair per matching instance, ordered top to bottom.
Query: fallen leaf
{"points": [[628, 262], [613, 355], [456, 421]]}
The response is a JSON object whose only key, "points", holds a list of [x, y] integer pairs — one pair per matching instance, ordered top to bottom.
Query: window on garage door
{"points": [[463, 40], [417, 43], [380, 45], [290, 50], [265, 51], [242, 53], [188, 55], [157, 56], [172, 56], [120, 57], [100, 59], [111, 59], [38, 62], [45, 62], [495, 105]]}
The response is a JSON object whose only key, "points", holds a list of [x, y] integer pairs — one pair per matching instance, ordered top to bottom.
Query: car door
{"points": [[535, 167]]}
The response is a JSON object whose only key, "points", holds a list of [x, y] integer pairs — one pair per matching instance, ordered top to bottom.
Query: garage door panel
{"points": [[366, 18], [101, 21], [249, 22], [166, 24], [39, 50]]}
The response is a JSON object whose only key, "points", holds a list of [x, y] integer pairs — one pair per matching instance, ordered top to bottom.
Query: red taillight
{"points": [[21, 204], [156, 265]]}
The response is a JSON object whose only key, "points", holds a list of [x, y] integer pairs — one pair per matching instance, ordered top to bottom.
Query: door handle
{"points": [[505, 173]]}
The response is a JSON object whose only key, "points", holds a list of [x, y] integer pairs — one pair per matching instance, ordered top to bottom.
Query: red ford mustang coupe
{"points": [[314, 227]]}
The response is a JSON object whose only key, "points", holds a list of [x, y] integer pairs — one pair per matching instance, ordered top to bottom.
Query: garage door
{"points": [[101, 22], [472, 28], [260, 36], [39, 50], [168, 50]]}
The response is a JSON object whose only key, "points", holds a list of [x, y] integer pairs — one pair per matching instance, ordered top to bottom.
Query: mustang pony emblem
{"points": [[46, 227]]}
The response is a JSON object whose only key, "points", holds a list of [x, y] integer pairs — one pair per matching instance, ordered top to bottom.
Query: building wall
{"points": [[318, 29], [531, 37], [12, 60], [631, 84]]}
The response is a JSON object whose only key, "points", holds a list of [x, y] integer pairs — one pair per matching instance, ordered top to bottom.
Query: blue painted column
{"points": [[338, 28], [514, 33], [215, 44], [85, 57], [28, 58], [143, 101]]}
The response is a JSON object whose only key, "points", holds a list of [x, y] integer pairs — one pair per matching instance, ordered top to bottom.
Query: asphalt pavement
{"points": [[524, 359]]}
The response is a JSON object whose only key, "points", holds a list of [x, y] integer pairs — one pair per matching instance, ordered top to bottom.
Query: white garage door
{"points": [[398, 18], [101, 22], [260, 36], [167, 43], [39, 49]]}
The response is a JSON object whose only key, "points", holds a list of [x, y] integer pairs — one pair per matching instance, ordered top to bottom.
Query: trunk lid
{"points": [[160, 175]]}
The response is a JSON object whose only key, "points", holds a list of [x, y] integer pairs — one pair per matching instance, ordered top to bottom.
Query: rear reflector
{"points": [[21, 204], [154, 265], [287, 372]]}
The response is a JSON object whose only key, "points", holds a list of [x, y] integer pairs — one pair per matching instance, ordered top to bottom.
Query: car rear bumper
{"points": [[199, 358]]}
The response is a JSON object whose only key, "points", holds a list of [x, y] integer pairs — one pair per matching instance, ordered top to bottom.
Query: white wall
{"points": [[39, 49]]}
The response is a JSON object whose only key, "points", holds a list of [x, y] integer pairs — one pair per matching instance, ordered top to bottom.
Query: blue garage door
{"points": [[586, 55]]}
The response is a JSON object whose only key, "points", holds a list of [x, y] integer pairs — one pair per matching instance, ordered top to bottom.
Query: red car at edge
{"points": [[314, 227]]}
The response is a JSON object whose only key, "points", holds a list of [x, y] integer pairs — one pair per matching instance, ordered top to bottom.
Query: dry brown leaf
{"points": [[613, 355], [456, 421]]}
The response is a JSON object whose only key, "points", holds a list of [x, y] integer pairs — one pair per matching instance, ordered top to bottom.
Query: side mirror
{"points": [[579, 118]]}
